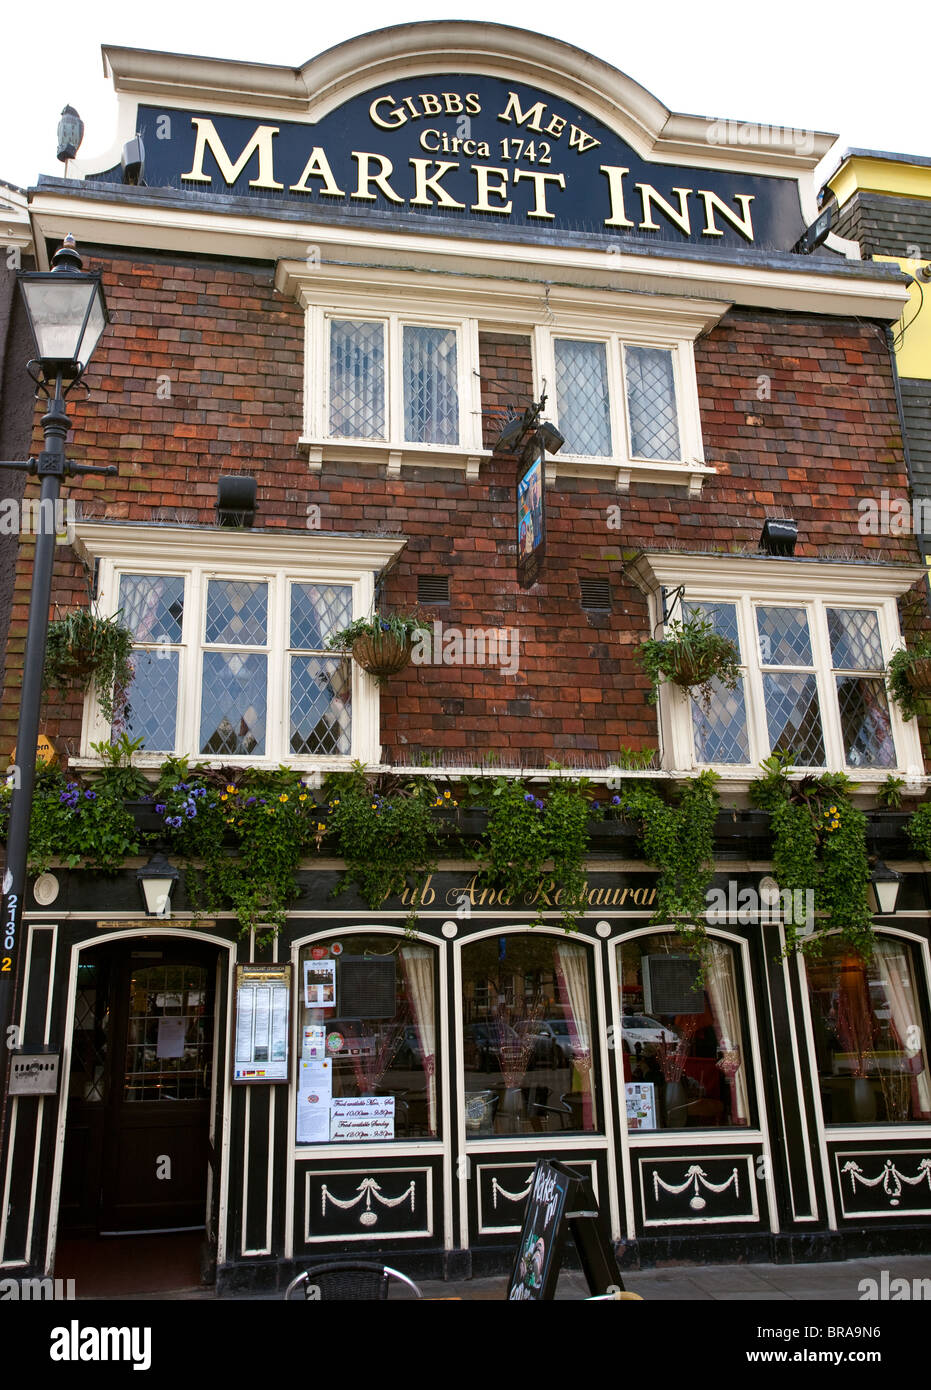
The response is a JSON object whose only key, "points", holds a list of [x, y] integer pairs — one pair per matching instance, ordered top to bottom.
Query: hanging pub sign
{"points": [[531, 514], [261, 1030]]}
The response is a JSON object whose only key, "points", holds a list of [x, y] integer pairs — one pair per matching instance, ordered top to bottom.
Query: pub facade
{"points": [[353, 282]]}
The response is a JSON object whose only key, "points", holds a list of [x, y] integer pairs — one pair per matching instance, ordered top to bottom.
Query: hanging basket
{"points": [[382, 655], [693, 670], [918, 675]]}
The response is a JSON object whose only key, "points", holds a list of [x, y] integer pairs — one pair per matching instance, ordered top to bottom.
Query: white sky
{"points": [[851, 69]]}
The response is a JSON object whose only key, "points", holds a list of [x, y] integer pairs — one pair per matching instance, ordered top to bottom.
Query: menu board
{"points": [[263, 1005], [536, 1268]]}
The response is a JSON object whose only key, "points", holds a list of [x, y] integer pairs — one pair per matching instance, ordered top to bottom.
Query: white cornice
{"points": [[410, 50], [15, 227], [811, 287], [322, 551], [726, 575]]}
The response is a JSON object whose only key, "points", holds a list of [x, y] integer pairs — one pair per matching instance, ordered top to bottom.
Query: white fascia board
{"points": [[191, 231], [320, 551], [719, 575]]}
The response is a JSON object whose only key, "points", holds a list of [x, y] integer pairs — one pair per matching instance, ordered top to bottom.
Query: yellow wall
{"points": [[895, 179], [913, 353]]}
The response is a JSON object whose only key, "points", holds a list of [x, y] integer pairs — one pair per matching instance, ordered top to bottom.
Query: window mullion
{"points": [[277, 673], [827, 685], [759, 739]]}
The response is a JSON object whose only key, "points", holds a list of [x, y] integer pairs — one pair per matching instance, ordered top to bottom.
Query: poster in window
{"points": [[531, 517], [320, 984], [261, 1030], [641, 1105]]}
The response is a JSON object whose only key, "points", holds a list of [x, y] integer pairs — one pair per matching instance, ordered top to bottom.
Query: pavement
{"points": [[796, 1283]]}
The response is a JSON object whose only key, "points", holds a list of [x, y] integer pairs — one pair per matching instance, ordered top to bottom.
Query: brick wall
{"points": [[809, 441]]}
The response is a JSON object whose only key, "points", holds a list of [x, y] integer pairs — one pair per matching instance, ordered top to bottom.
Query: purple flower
{"points": [[90, 796], [529, 796], [250, 800], [615, 801], [539, 805], [596, 805], [160, 809]]}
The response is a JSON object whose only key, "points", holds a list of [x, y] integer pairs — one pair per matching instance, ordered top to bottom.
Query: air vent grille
{"points": [[433, 588], [596, 593]]}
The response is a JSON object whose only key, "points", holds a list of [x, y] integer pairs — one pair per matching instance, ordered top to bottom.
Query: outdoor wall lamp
{"points": [[67, 314], [779, 536], [156, 884], [884, 885]]}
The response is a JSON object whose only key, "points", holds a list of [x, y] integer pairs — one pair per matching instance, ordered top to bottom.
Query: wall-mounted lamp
{"points": [[132, 161], [551, 438], [778, 536], [156, 884], [883, 889]]}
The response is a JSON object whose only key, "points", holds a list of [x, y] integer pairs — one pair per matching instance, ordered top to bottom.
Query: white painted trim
{"points": [[809, 286], [887, 1212], [711, 1220], [484, 1230], [423, 1232]]}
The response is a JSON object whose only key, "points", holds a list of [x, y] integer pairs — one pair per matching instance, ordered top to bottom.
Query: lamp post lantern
{"points": [[67, 313]]}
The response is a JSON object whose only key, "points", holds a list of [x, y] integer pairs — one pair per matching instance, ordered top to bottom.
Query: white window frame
{"points": [[394, 450], [625, 464], [276, 558], [772, 582]]}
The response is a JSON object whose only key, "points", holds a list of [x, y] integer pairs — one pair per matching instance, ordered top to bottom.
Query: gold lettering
{"points": [[452, 102], [473, 105], [431, 106], [533, 116], [386, 125], [555, 126], [579, 140], [261, 142], [318, 167], [482, 173], [615, 175], [381, 178], [539, 188], [650, 196], [444, 199], [743, 224]]}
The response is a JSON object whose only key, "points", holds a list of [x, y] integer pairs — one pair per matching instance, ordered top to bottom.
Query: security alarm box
{"points": [[34, 1073]]}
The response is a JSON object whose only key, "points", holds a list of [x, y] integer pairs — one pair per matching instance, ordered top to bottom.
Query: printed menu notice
{"points": [[320, 984], [263, 1004], [314, 1095], [641, 1105], [362, 1117]]}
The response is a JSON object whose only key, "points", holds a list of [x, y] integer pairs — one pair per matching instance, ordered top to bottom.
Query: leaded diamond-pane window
{"points": [[357, 379], [431, 390], [582, 395], [651, 403], [152, 606], [317, 610], [237, 612], [784, 637], [855, 641], [861, 700], [234, 704], [321, 705], [152, 710], [793, 717], [720, 727]]}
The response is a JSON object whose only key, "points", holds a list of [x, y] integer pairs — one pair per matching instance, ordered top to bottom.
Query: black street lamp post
{"points": [[67, 314]]}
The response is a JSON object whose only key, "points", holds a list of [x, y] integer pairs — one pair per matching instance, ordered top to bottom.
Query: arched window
{"points": [[527, 1028], [870, 1033], [683, 1035], [367, 1043]]}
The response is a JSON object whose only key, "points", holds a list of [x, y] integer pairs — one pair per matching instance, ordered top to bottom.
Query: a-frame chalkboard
{"points": [[561, 1200]]}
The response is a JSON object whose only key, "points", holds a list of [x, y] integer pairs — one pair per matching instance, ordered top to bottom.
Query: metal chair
{"points": [[348, 1280]]}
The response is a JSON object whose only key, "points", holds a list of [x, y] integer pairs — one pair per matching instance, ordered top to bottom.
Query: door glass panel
{"points": [[91, 1034], [169, 1038]]}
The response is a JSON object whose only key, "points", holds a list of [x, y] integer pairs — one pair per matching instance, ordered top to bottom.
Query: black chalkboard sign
{"points": [[561, 1200], [536, 1268]]}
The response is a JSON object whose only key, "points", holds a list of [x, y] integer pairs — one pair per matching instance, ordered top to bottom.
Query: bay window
{"points": [[230, 658]]}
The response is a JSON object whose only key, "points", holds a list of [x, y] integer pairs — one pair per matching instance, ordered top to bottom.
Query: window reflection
{"points": [[527, 1036], [685, 1056]]}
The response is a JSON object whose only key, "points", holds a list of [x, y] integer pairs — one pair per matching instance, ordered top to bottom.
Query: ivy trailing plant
{"points": [[82, 648], [691, 654], [73, 821], [918, 829], [527, 830], [386, 832], [242, 835], [679, 840], [819, 844]]}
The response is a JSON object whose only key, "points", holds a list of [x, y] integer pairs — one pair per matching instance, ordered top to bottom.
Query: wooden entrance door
{"points": [[136, 1153]]}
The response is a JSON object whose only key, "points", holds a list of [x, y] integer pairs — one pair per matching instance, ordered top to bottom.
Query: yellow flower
{"points": [[231, 789], [447, 795], [224, 797], [283, 797], [302, 797], [374, 807], [833, 810], [320, 827]]}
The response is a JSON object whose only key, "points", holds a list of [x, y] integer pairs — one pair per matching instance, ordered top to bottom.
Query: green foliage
{"points": [[403, 626], [82, 647], [691, 654], [909, 700], [635, 759], [118, 775], [890, 793], [81, 825], [526, 830], [918, 830], [247, 832], [387, 837], [679, 840], [819, 843]]}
